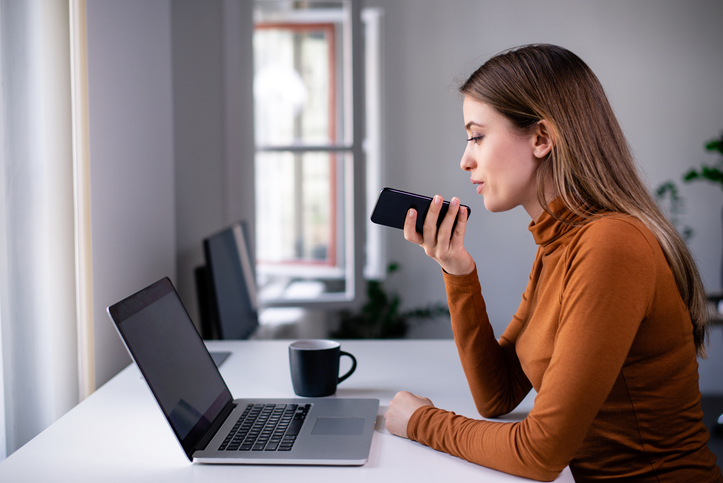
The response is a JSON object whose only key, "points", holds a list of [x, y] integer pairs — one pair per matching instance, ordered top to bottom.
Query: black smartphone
{"points": [[392, 207]]}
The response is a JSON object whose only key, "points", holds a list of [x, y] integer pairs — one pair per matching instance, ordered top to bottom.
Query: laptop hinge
{"points": [[220, 419]]}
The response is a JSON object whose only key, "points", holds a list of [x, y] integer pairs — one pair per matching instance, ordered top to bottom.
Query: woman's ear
{"points": [[543, 139]]}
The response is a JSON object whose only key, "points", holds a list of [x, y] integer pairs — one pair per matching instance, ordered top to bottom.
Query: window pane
{"points": [[298, 84], [295, 200], [300, 228]]}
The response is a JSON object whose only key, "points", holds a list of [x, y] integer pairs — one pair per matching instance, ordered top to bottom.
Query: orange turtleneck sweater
{"points": [[605, 339]]}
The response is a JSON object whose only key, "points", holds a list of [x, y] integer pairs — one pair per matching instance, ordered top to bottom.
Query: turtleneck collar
{"points": [[549, 228]]}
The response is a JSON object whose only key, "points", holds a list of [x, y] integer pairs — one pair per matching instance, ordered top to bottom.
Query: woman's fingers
{"points": [[430, 223], [461, 226], [410, 228], [444, 235], [443, 243], [401, 408]]}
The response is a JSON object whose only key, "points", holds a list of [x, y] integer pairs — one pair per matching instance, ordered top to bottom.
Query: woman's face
{"points": [[501, 161]]}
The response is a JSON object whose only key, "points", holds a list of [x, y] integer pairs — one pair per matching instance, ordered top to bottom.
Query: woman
{"points": [[613, 315]]}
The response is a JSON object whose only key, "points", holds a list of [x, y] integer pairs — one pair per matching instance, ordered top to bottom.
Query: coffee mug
{"points": [[315, 367]]}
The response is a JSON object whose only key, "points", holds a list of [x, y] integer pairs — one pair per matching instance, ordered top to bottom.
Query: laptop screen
{"points": [[168, 350]]}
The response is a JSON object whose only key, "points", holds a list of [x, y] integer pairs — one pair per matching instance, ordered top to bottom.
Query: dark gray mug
{"points": [[315, 367]]}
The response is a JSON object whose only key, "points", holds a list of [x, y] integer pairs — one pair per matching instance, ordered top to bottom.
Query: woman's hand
{"points": [[444, 246], [400, 410]]}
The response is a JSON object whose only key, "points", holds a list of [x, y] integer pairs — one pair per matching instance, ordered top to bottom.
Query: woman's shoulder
{"points": [[616, 223], [619, 232]]}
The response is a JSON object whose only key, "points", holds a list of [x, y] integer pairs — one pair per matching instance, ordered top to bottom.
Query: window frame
{"points": [[298, 150], [354, 222]]}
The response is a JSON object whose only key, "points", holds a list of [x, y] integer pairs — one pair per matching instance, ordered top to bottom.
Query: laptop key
{"points": [[294, 427], [266, 428]]}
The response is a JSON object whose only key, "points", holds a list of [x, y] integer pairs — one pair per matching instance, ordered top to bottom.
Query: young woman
{"points": [[614, 312]]}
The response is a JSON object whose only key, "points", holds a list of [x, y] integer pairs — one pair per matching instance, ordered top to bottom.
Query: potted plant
{"points": [[712, 172], [667, 196], [381, 317]]}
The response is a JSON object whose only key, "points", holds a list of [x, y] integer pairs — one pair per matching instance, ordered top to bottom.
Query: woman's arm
{"points": [[608, 288], [493, 371]]}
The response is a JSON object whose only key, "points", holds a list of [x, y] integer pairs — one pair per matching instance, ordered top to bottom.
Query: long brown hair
{"points": [[590, 163]]}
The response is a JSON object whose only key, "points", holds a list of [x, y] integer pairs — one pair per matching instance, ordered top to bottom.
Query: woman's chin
{"points": [[491, 206], [496, 207]]}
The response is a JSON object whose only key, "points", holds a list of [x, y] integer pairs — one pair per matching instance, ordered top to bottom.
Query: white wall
{"points": [[660, 63], [131, 153]]}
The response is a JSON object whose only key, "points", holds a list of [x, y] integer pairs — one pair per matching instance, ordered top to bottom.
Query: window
{"points": [[309, 164]]}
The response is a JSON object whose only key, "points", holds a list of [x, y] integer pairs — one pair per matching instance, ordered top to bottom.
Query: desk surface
{"points": [[119, 433]]}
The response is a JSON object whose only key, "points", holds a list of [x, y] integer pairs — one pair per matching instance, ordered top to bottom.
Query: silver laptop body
{"points": [[193, 396]]}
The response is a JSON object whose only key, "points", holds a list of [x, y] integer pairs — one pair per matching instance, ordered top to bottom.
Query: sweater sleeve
{"points": [[607, 289], [493, 372]]}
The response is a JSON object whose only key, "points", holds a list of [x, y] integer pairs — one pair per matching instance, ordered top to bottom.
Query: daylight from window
{"points": [[303, 155]]}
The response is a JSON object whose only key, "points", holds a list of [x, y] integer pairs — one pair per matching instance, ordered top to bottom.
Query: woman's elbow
{"points": [[494, 408]]}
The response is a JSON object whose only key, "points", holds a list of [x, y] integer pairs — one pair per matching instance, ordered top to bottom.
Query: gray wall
{"points": [[213, 106], [171, 144], [131, 153]]}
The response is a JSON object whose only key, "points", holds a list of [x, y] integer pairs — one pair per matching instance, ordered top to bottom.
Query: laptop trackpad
{"points": [[338, 426]]}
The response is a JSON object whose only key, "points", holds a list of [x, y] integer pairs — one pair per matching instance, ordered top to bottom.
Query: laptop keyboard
{"points": [[266, 427]]}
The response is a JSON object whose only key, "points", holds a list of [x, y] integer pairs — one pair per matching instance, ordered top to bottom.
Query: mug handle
{"points": [[353, 365]]}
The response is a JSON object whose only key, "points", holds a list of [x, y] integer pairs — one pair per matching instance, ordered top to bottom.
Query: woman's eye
{"points": [[475, 139]]}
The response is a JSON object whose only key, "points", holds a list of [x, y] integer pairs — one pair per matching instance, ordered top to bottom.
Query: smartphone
{"points": [[392, 207]]}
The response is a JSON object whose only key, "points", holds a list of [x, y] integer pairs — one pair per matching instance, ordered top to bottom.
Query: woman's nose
{"points": [[467, 163]]}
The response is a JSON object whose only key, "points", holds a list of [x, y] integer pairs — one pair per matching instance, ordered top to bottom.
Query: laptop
{"points": [[212, 426]]}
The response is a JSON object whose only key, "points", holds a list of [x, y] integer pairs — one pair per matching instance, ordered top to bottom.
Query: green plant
{"points": [[712, 172], [667, 192], [380, 317]]}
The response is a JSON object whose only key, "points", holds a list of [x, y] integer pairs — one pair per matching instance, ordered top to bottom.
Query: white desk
{"points": [[119, 433]]}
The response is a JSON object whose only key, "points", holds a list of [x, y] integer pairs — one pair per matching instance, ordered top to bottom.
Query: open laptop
{"points": [[210, 425]]}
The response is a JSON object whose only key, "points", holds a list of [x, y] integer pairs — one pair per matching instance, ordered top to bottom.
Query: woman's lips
{"points": [[479, 185]]}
